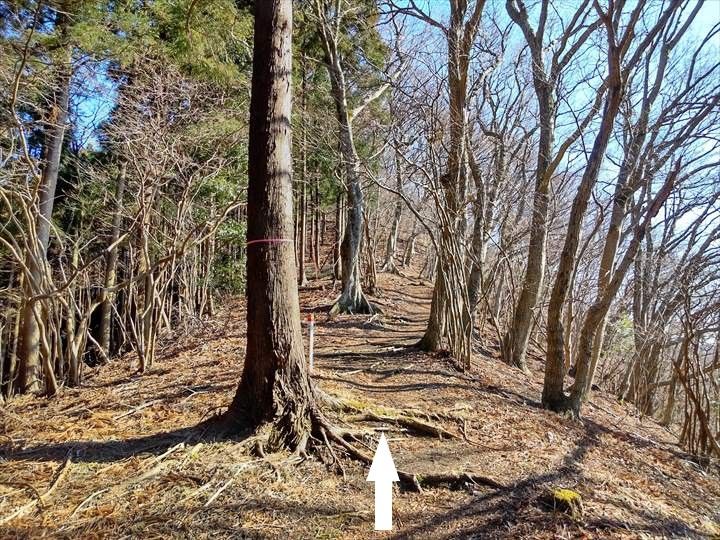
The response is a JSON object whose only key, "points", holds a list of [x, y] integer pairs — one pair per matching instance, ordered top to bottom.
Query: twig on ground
{"points": [[136, 409], [158, 460], [222, 488], [40, 499], [87, 500]]}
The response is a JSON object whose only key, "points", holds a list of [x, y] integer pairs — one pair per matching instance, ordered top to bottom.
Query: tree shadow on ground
{"points": [[355, 356], [409, 364], [136, 377], [408, 387], [89, 451], [521, 511], [494, 512], [502, 513], [224, 520]]}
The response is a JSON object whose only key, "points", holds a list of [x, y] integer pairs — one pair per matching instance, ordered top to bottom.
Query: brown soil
{"points": [[129, 455]]}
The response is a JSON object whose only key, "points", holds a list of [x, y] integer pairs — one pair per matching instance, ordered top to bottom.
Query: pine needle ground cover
{"points": [[136, 456]]}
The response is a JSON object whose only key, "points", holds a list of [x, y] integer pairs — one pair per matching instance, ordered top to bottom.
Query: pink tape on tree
{"points": [[268, 241]]}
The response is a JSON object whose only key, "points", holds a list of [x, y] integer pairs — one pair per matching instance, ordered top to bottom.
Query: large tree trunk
{"points": [[352, 299], [432, 340], [30, 361], [275, 388]]}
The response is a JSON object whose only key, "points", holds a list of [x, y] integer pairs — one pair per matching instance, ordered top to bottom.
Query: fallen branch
{"points": [[136, 409], [413, 481], [457, 481], [40, 499], [87, 500]]}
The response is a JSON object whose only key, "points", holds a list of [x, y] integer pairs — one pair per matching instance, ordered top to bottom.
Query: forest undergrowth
{"points": [[139, 455]]}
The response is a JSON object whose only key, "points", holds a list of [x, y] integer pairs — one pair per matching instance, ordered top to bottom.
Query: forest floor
{"points": [[129, 456]]}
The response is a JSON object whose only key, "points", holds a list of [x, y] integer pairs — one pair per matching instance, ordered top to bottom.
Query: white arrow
{"points": [[383, 473]]}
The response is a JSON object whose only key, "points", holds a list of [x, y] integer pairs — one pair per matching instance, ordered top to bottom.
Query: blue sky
{"points": [[95, 94]]}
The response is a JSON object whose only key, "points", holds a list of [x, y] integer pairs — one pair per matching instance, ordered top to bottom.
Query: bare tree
{"points": [[331, 17], [621, 63], [546, 78], [644, 142], [449, 312], [30, 361]]}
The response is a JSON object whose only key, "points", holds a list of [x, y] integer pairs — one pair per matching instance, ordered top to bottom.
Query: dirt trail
{"points": [[127, 456]]}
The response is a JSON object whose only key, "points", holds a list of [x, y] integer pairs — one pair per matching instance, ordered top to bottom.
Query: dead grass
{"points": [[132, 456]]}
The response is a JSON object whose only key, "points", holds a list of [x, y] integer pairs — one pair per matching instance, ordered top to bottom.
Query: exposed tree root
{"points": [[391, 268], [352, 306], [329, 401], [429, 416], [407, 418], [408, 422], [322, 437], [259, 449], [456, 481], [415, 482]]}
